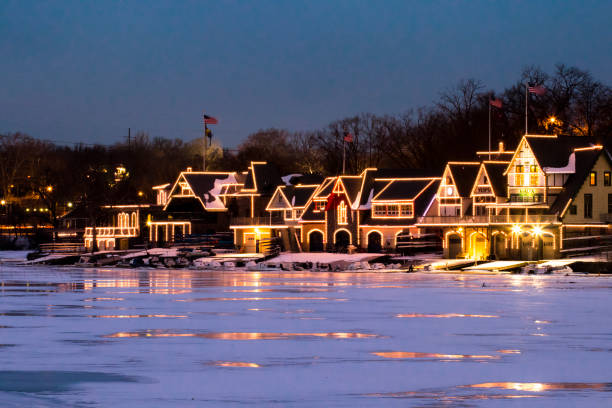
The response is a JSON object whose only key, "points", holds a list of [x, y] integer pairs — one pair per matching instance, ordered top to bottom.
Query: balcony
{"points": [[489, 219], [259, 221], [113, 232]]}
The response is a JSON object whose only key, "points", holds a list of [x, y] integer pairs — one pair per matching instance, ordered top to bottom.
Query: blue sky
{"points": [[87, 70]]}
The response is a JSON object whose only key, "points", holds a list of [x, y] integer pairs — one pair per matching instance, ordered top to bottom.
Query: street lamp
{"points": [[49, 189], [3, 202]]}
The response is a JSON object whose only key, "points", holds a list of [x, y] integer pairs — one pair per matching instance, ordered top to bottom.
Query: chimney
{"points": [[501, 146], [189, 169]]}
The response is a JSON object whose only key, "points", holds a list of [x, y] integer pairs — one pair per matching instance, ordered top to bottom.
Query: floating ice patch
{"points": [[54, 381]]}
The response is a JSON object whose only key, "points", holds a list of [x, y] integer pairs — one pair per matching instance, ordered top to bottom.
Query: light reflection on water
{"points": [[444, 315], [496, 323], [241, 335], [410, 355], [235, 364], [539, 387]]}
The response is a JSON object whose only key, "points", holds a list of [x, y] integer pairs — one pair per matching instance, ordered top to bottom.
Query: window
{"points": [[519, 168], [533, 168], [593, 178], [518, 179], [533, 179], [607, 181], [609, 203], [319, 205], [588, 206], [573, 209], [380, 210], [393, 210], [406, 210], [342, 213], [288, 214], [298, 214]]}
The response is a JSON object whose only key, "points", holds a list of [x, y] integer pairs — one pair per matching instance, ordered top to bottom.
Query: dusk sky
{"points": [[87, 70]]}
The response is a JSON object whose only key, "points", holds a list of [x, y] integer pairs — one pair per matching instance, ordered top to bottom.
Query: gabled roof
{"points": [[555, 151], [585, 160], [495, 174], [464, 175], [262, 178], [352, 185], [206, 187], [326, 188], [401, 189], [293, 196]]}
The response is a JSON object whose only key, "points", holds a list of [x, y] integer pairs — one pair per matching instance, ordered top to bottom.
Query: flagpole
{"points": [[526, 102], [489, 128], [205, 135], [344, 155]]}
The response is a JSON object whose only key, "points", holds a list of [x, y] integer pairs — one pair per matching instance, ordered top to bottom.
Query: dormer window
{"points": [[593, 178]]}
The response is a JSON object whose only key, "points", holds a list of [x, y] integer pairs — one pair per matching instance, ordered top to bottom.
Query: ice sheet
{"points": [[144, 338]]}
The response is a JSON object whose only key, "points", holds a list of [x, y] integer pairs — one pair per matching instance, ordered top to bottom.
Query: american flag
{"points": [[536, 89], [496, 102], [209, 120]]}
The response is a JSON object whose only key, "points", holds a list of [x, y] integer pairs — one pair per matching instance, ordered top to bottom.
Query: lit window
{"points": [[519, 168], [533, 168], [593, 178], [518, 179], [533, 179], [607, 181], [449, 191], [380, 210], [393, 210], [406, 210], [342, 213]]}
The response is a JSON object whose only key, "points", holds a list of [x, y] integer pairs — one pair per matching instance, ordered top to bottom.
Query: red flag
{"points": [[536, 89], [496, 102], [209, 120], [348, 138], [331, 200]]}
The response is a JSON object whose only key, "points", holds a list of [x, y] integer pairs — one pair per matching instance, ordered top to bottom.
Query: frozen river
{"points": [[161, 338]]}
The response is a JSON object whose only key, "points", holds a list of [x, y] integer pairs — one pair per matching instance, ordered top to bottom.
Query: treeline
{"points": [[452, 128]]}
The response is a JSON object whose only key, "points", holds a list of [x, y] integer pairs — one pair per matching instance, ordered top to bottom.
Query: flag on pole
{"points": [[536, 89], [496, 103], [209, 120], [208, 132], [348, 137]]}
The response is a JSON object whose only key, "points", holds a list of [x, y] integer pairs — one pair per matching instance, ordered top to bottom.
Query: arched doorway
{"points": [[342, 239], [315, 241], [374, 241], [454, 245], [499, 246]]}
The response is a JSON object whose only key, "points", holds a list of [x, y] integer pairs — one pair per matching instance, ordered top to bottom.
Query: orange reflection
{"points": [[102, 298], [213, 299], [445, 315], [542, 322], [240, 336], [509, 351], [408, 354], [235, 364], [538, 387]]}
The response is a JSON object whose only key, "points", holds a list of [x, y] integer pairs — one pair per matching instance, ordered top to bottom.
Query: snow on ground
{"points": [[166, 338]]}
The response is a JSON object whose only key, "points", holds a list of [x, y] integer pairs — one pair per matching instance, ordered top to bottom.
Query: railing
{"points": [[454, 219], [489, 219], [258, 221], [115, 232], [62, 247]]}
